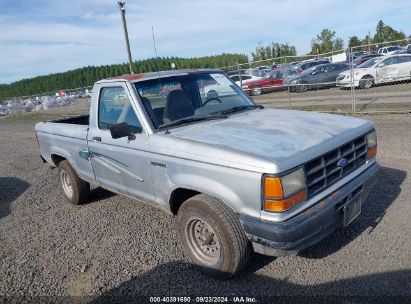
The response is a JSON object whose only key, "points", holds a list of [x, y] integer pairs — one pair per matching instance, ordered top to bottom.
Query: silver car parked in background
{"points": [[378, 70]]}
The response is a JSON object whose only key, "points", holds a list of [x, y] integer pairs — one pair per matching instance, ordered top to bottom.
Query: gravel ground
{"points": [[114, 246]]}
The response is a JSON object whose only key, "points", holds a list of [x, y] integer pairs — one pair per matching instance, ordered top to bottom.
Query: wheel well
{"points": [[368, 76], [56, 159], [179, 196]]}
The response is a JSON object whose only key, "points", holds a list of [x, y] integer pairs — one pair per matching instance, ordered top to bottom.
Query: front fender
{"points": [[240, 190]]}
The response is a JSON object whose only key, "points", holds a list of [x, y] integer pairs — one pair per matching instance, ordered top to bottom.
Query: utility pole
{"points": [[121, 5], [369, 46]]}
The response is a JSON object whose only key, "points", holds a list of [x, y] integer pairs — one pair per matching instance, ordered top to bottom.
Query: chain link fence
{"points": [[366, 78], [45, 101]]}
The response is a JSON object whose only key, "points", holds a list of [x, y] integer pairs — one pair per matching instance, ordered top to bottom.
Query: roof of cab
{"points": [[153, 75]]}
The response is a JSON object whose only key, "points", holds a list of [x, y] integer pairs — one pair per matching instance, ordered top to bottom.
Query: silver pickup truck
{"points": [[239, 178]]}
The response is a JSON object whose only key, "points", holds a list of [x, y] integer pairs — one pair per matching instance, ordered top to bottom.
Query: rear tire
{"points": [[366, 82], [76, 190], [212, 236]]}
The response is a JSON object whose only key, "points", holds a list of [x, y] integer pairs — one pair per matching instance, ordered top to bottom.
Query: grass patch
{"points": [[30, 116], [36, 116]]}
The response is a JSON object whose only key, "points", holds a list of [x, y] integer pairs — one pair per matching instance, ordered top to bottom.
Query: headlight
{"points": [[372, 144], [282, 193]]}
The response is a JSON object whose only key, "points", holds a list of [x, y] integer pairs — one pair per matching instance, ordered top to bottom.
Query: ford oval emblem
{"points": [[342, 163]]}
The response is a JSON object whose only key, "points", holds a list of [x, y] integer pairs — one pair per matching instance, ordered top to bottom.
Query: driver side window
{"points": [[390, 61], [115, 107]]}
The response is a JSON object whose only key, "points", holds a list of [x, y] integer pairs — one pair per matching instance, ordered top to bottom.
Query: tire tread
{"points": [[81, 187], [241, 244]]}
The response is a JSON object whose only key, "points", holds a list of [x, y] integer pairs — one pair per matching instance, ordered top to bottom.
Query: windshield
{"points": [[393, 48], [369, 63], [310, 70], [253, 72], [190, 98]]}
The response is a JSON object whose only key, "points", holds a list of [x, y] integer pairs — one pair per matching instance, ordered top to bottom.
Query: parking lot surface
{"points": [[390, 97], [114, 246]]}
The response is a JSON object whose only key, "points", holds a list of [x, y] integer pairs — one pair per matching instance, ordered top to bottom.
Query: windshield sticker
{"points": [[221, 79]]}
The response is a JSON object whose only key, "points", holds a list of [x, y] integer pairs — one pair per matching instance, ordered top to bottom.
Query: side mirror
{"points": [[380, 65], [124, 130]]}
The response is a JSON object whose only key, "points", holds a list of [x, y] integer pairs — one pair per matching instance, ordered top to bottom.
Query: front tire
{"points": [[366, 82], [256, 91], [76, 190], [212, 236]]}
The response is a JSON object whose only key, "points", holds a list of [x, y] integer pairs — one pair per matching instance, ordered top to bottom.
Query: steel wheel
{"points": [[66, 183], [212, 236], [203, 241]]}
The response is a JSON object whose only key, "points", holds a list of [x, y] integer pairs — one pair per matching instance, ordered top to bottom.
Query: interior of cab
{"points": [[177, 97]]}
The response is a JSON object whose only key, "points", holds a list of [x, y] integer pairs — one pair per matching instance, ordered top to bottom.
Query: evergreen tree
{"points": [[380, 25], [353, 41], [86, 76]]}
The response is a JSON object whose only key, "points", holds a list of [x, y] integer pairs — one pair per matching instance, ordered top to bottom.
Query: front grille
{"points": [[324, 171]]}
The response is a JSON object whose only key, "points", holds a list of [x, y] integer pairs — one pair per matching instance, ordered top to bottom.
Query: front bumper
{"points": [[346, 83], [313, 224]]}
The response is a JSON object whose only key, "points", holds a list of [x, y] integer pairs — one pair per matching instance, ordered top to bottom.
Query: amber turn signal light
{"points": [[372, 152], [285, 204]]}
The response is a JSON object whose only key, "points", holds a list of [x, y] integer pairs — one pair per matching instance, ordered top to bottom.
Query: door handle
{"points": [[97, 138]]}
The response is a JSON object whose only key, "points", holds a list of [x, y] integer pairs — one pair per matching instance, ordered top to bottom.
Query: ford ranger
{"points": [[239, 177]]}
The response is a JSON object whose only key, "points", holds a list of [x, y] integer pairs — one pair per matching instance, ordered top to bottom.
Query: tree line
{"points": [[327, 41], [86, 76]]}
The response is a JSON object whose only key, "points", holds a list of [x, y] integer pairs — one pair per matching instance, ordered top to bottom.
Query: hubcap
{"points": [[367, 83], [257, 91], [66, 183], [203, 241]]}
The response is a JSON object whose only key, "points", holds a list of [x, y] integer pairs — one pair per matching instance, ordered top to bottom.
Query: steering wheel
{"points": [[210, 99]]}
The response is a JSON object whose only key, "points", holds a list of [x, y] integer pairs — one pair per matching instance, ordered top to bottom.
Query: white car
{"points": [[389, 50], [378, 70], [244, 79]]}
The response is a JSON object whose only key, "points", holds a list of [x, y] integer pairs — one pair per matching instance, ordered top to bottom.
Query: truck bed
{"points": [[75, 120], [67, 138]]}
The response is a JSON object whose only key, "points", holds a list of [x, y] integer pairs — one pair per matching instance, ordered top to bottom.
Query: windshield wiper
{"points": [[241, 108], [191, 119]]}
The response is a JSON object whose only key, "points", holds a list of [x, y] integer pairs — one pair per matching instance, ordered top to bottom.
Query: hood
{"points": [[358, 71], [286, 138]]}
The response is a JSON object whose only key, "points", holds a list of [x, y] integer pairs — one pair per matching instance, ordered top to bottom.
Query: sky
{"points": [[39, 37]]}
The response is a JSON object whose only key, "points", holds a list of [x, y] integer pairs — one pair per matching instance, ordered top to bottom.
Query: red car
{"points": [[364, 58], [276, 79]]}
